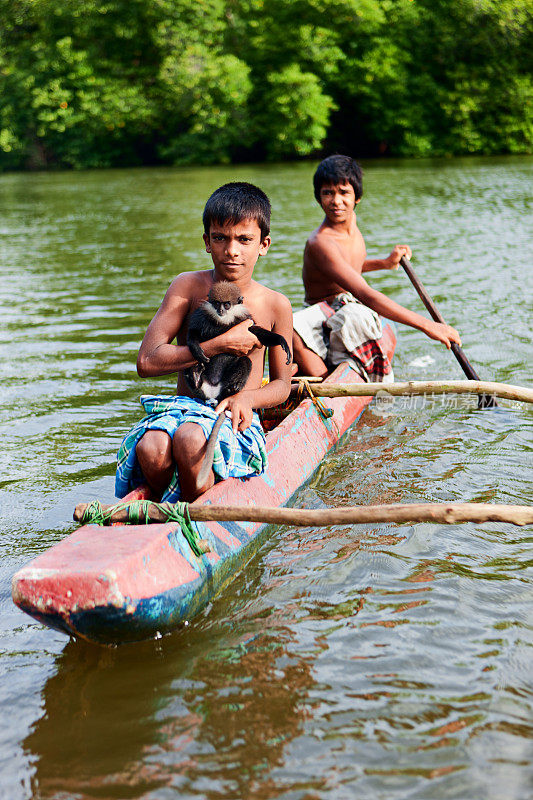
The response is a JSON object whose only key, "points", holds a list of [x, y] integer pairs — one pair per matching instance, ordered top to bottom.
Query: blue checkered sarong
{"points": [[236, 455]]}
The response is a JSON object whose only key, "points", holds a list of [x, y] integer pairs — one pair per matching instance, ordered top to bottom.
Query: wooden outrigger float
{"points": [[132, 582]]}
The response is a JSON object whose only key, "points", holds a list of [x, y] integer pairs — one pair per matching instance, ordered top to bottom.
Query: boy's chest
{"points": [[353, 250], [261, 313]]}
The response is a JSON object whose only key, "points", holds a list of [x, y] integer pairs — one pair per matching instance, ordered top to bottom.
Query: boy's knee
{"points": [[188, 440], [154, 448]]}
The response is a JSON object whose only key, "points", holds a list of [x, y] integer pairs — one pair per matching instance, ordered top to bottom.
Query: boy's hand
{"points": [[400, 250], [442, 333], [237, 340], [239, 408]]}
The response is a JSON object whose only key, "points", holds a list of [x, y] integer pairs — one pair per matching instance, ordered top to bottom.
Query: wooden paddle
{"points": [[485, 400]]}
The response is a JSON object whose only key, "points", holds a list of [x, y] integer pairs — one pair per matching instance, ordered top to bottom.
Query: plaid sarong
{"points": [[344, 329], [236, 455]]}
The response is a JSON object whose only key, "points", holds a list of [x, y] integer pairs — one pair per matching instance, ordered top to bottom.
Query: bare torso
{"points": [[351, 250]]}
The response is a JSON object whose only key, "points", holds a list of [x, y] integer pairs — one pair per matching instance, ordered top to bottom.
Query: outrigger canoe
{"points": [[131, 582]]}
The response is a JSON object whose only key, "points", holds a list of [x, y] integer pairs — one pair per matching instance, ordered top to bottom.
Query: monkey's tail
{"points": [[209, 456]]}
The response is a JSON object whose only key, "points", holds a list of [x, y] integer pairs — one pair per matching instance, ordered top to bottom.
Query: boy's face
{"points": [[338, 201], [235, 248]]}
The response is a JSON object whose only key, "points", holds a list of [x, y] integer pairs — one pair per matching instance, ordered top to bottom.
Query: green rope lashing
{"points": [[323, 412], [136, 510], [179, 512], [139, 513], [95, 514]]}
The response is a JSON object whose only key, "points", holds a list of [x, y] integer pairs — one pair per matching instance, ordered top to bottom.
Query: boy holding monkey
{"points": [[166, 449]]}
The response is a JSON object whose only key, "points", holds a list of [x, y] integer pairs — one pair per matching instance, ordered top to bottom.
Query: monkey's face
{"points": [[235, 248], [223, 309]]}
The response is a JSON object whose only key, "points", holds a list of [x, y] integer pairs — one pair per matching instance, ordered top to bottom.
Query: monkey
{"points": [[224, 374]]}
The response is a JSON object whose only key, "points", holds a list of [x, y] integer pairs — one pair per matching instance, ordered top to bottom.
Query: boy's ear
{"points": [[265, 244], [207, 245]]}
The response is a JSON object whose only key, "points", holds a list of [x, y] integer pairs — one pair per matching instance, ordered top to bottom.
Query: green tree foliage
{"points": [[116, 82], [204, 95], [295, 113]]}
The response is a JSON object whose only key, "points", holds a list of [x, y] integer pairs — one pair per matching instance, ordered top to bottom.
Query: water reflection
{"points": [[178, 713]]}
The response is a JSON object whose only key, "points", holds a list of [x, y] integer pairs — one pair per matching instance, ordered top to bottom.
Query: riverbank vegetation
{"points": [[126, 82]]}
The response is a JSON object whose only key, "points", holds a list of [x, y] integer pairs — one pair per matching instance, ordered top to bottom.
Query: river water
{"points": [[375, 661]]}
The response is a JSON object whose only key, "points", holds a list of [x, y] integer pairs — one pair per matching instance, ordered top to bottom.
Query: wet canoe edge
{"points": [[156, 615]]}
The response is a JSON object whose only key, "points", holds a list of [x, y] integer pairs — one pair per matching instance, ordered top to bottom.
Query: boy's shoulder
{"points": [[325, 235], [314, 236], [326, 239], [321, 240], [193, 278], [190, 285], [186, 292], [267, 294], [267, 304]]}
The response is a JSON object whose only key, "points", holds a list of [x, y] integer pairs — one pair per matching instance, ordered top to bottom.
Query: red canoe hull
{"points": [[126, 583]]}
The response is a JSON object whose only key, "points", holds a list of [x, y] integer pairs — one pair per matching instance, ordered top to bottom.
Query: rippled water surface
{"points": [[368, 661]]}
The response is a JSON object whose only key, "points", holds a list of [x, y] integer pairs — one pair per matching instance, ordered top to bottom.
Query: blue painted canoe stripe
{"points": [[236, 530], [180, 544], [161, 612]]}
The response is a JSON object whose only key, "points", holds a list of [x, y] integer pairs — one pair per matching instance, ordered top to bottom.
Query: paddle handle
{"points": [[466, 366]]}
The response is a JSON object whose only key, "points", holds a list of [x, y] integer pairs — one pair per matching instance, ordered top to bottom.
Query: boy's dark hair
{"points": [[338, 169], [235, 202]]}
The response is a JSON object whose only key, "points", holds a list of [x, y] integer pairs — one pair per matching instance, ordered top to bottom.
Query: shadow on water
{"points": [[142, 717]]}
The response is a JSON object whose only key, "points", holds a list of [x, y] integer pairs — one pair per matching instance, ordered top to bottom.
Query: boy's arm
{"points": [[328, 260], [391, 262], [157, 356], [277, 389]]}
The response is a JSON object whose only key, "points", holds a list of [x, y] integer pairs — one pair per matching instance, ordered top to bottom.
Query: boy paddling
{"points": [[341, 321], [166, 449]]}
